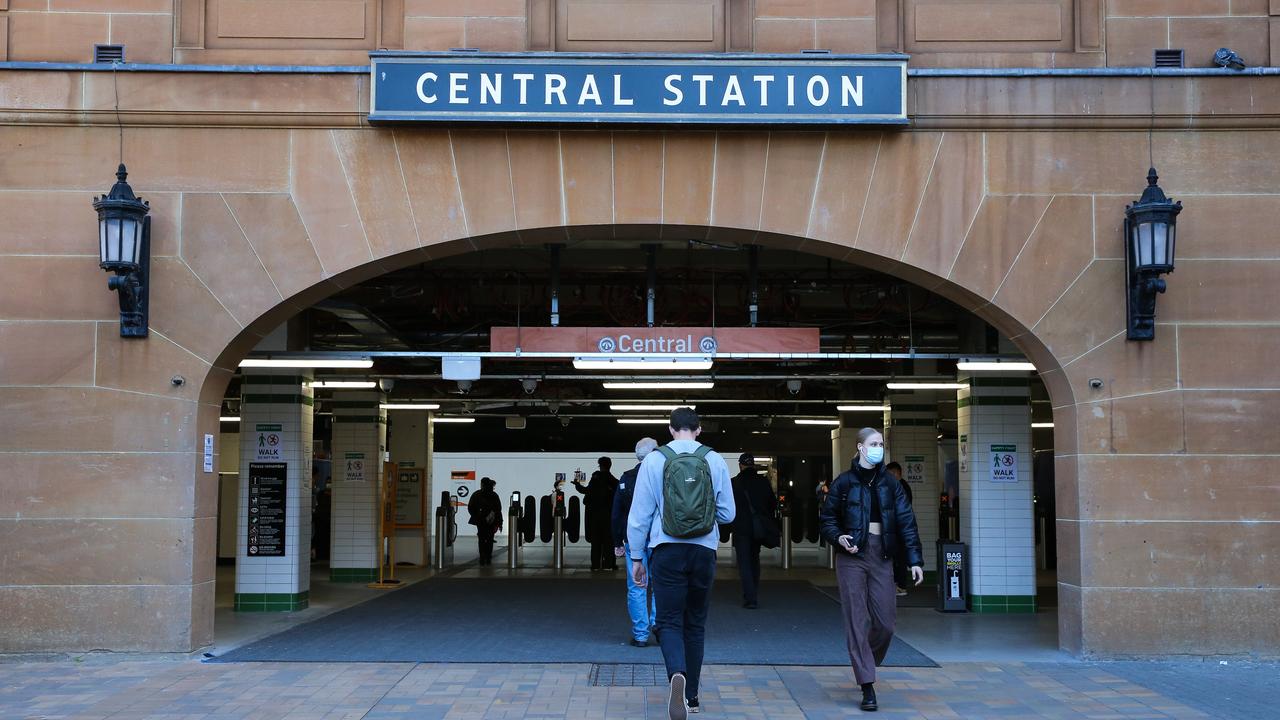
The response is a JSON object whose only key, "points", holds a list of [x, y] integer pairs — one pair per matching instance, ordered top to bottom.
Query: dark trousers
{"points": [[486, 544], [602, 556], [748, 567], [901, 573], [681, 575], [869, 606]]}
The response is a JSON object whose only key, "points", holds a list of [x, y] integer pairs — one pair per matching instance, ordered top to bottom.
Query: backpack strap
{"points": [[701, 452], [667, 453]]}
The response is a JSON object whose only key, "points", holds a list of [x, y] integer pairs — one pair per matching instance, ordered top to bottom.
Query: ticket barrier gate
{"points": [[445, 532], [514, 539]]}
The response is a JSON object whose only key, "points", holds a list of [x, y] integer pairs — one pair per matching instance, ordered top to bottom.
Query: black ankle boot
{"points": [[869, 698]]}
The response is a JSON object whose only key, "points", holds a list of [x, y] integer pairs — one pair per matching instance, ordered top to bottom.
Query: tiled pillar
{"points": [[994, 419], [911, 425], [275, 427], [359, 440]]}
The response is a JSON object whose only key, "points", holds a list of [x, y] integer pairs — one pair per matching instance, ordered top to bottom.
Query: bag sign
{"points": [[269, 446], [1004, 463], [913, 473]]}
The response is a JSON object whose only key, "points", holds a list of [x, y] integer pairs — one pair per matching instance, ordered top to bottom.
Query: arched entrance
{"points": [[913, 205]]}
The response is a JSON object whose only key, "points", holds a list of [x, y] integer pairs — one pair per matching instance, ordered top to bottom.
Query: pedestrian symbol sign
{"points": [[270, 443], [1004, 463]]}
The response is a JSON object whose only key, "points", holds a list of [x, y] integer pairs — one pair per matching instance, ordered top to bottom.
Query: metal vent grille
{"points": [[108, 53], [1171, 58], [627, 675]]}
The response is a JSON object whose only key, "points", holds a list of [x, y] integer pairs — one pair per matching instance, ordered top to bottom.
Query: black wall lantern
{"points": [[1150, 227], [124, 248]]}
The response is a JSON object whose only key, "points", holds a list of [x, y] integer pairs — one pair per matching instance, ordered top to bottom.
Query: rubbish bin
{"points": [[953, 576]]}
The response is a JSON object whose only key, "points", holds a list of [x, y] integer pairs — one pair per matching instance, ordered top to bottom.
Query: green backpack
{"points": [[688, 496]]}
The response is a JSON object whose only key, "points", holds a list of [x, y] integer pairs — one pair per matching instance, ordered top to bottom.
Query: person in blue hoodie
{"points": [[640, 604]]}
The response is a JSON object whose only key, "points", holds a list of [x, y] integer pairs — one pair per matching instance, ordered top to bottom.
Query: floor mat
{"points": [[548, 620]]}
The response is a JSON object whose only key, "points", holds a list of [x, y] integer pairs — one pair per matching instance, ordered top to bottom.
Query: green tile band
{"points": [[273, 380], [988, 382], [278, 399], [990, 400], [360, 404], [913, 408], [364, 419], [353, 575], [272, 602], [1002, 604]]}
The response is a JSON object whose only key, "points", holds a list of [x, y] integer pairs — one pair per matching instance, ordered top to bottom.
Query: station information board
{"points": [[268, 505]]}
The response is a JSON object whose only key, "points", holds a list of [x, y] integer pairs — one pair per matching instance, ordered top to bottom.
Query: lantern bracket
{"points": [[133, 290]]}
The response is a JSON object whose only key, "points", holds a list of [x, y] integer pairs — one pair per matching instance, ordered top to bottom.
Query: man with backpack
{"points": [[681, 493]]}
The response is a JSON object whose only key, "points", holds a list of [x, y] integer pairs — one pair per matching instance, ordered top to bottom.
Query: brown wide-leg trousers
{"points": [[870, 606]]}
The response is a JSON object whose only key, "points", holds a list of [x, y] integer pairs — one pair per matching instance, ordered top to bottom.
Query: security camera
{"points": [[178, 381], [1095, 383], [386, 384], [530, 385], [464, 386], [793, 387], [553, 407], [564, 421]]}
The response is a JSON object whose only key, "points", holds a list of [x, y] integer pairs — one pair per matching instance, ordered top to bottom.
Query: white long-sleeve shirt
{"points": [[644, 522]]}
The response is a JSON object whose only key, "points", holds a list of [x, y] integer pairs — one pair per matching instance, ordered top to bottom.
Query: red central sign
{"points": [[646, 340]]}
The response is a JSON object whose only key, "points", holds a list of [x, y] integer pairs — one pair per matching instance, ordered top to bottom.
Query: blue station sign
{"points": [[575, 88]]}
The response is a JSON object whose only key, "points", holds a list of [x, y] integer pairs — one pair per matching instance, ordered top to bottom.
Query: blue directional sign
{"points": [[464, 87]]}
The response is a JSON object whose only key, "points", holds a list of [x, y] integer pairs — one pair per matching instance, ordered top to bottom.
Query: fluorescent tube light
{"points": [[305, 363], [642, 364], [994, 366], [348, 384], [659, 385], [926, 386], [410, 406], [649, 408], [862, 408], [224, 418], [452, 420], [644, 421], [813, 421], [1042, 425], [763, 459]]}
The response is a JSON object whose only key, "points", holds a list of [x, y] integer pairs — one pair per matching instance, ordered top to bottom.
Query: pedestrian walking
{"points": [[682, 492], [598, 497], [485, 509], [866, 513], [755, 525], [901, 574], [640, 604]]}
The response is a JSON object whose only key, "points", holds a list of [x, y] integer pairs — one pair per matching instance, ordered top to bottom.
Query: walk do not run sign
{"points": [[577, 88]]}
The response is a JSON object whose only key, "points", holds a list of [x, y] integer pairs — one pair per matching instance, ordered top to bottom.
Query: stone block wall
{"points": [[937, 33]]}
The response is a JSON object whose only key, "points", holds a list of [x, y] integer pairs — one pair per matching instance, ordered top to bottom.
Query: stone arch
{"points": [[915, 205], [291, 216]]}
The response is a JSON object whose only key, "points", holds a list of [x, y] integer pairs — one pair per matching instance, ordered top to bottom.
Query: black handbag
{"points": [[764, 529]]}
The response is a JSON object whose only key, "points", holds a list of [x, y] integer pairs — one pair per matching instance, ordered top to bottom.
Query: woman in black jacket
{"points": [[867, 514]]}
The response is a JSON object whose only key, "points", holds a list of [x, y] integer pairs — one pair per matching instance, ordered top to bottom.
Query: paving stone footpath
{"points": [[97, 689]]}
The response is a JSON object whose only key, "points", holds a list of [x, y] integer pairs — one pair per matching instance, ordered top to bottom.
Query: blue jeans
{"points": [[681, 574], [641, 621]]}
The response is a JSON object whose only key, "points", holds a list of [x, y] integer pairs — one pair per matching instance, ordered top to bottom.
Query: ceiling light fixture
{"points": [[364, 363], [698, 363], [994, 366], [345, 384], [660, 385], [926, 386], [410, 406], [649, 408], [862, 408], [225, 418], [452, 420], [643, 421], [815, 421], [1042, 425]]}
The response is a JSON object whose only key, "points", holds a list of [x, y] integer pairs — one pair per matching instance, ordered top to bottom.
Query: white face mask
{"points": [[873, 455]]}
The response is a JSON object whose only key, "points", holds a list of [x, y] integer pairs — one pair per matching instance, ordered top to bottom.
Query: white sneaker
{"points": [[902, 592], [676, 708]]}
